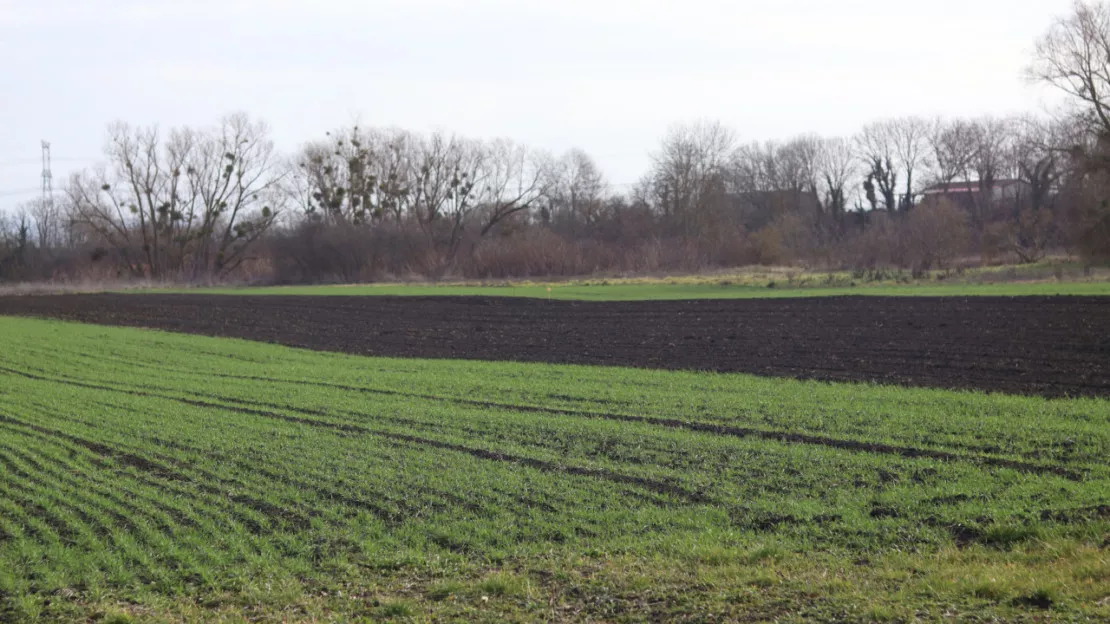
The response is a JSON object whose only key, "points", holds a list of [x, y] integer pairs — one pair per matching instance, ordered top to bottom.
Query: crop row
{"points": [[131, 457]]}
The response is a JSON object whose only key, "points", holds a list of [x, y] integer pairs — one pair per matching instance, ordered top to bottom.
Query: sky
{"points": [[607, 76]]}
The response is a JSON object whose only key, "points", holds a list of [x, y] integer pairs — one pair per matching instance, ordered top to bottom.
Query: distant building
{"points": [[964, 191]]}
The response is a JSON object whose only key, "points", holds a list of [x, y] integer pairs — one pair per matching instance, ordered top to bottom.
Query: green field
{"points": [[661, 290], [153, 476]]}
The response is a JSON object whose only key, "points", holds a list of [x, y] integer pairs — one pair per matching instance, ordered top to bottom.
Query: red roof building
{"points": [[1000, 190]]}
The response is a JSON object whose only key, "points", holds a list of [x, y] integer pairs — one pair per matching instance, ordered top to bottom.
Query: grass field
{"points": [[674, 289], [155, 476]]}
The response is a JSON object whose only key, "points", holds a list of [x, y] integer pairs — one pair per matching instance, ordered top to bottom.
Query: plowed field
{"points": [[1051, 346]]}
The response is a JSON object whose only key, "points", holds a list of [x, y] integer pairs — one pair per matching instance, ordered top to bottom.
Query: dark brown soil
{"points": [[1030, 345]]}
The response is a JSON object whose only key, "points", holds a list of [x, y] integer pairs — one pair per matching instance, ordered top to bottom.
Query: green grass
{"points": [[668, 291], [153, 476]]}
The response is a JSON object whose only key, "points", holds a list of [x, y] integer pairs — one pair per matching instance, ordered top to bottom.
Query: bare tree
{"points": [[1074, 56], [995, 138], [911, 144], [955, 145], [875, 147], [893, 148], [1038, 159], [797, 164], [836, 167], [752, 168], [447, 169], [689, 169], [357, 176], [233, 178], [513, 179], [489, 183], [576, 189], [195, 201], [133, 206], [45, 217], [1029, 225], [15, 245]]}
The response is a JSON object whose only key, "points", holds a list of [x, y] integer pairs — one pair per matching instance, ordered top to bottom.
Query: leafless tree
{"points": [[1074, 56], [995, 139], [911, 144], [955, 145], [875, 147], [893, 148], [978, 153], [1037, 159], [797, 164], [776, 166], [752, 168], [836, 168], [689, 170], [357, 176], [512, 179], [444, 180], [489, 184], [576, 189], [194, 202], [133, 205], [45, 216], [1030, 226]]}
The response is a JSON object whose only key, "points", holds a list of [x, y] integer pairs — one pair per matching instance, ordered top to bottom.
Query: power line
{"points": [[35, 161], [19, 192]]}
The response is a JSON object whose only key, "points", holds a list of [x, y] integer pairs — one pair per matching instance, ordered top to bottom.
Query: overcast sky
{"points": [[608, 76]]}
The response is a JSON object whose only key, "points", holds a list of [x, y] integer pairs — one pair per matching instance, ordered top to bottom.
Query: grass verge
{"points": [[1046, 279]]}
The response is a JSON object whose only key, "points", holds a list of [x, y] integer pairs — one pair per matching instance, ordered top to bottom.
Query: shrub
{"points": [[934, 234]]}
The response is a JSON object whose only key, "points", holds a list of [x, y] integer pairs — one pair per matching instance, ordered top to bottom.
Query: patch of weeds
{"points": [[1006, 536], [763, 553], [717, 556], [1094, 573], [763, 579], [640, 583], [502, 584], [445, 590], [989, 590], [397, 609], [880, 613]]}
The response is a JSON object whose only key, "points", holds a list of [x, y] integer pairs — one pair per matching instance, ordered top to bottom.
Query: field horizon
{"points": [[1047, 278], [605, 290]]}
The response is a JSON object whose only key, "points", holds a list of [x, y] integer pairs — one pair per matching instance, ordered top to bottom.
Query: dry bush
{"points": [[1088, 224], [934, 234], [1028, 237], [876, 245], [767, 246], [734, 248], [314, 252], [540, 252], [533, 253]]}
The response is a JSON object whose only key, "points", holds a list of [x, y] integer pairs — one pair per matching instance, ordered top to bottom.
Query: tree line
{"points": [[220, 202]]}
